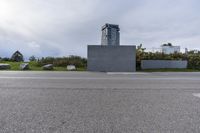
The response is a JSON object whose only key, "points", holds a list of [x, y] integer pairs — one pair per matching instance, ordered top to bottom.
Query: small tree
{"points": [[168, 44], [140, 53], [17, 56], [32, 58], [5, 59]]}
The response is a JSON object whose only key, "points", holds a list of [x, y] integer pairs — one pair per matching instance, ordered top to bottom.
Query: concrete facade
{"points": [[110, 35], [111, 58], [157, 64]]}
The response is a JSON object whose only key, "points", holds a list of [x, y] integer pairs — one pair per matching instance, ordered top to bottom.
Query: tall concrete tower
{"points": [[110, 35], [110, 56]]}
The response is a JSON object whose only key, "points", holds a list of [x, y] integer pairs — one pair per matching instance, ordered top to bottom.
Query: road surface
{"points": [[84, 102]]}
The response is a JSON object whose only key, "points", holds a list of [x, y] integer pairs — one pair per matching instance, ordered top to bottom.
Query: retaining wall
{"points": [[157, 64]]}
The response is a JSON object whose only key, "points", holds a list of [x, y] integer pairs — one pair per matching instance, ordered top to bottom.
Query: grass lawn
{"points": [[34, 67]]}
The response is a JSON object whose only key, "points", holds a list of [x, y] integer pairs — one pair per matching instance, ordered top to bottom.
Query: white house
{"points": [[171, 49]]}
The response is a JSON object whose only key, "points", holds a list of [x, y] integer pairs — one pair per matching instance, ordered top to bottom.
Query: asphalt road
{"points": [[83, 102]]}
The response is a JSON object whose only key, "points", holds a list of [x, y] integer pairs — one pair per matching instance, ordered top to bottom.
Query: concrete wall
{"points": [[111, 58], [156, 64]]}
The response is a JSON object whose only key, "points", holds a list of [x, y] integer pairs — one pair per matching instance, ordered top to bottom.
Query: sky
{"points": [[65, 27]]}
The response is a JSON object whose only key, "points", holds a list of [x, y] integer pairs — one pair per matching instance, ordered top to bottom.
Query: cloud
{"points": [[163, 22], [66, 27], [34, 45]]}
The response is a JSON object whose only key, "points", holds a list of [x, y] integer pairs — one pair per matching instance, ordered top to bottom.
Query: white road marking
{"points": [[126, 73], [196, 95]]}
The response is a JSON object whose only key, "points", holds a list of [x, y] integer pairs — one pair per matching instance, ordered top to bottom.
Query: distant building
{"points": [[166, 49], [186, 50], [196, 51]]}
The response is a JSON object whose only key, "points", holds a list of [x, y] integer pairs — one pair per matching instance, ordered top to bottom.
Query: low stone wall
{"points": [[159, 64]]}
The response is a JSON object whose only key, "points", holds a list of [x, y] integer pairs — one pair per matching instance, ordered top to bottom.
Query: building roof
{"points": [[110, 26]]}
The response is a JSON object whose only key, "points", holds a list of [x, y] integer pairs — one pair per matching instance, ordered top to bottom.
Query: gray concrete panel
{"points": [[111, 58], [157, 64]]}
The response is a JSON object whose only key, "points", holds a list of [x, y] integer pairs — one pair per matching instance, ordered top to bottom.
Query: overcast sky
{"points": [[66, 27]]}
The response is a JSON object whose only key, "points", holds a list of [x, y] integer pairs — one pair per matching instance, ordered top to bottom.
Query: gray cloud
{"points": [[65, 27]]}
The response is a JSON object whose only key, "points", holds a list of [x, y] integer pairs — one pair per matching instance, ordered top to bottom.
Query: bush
{"points": [[32, 58], [5, 59], [194, 61], [79, 62]]}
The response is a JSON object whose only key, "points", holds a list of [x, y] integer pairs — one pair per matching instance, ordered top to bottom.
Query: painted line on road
{"points": [[126, 73], [196, 95]]}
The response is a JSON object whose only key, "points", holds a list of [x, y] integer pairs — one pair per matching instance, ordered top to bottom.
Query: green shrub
{"points": [[79, 62]]}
